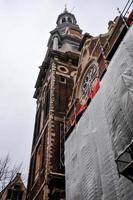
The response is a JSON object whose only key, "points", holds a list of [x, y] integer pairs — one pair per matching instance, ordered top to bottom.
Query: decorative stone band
{"points": [[51, 116]]}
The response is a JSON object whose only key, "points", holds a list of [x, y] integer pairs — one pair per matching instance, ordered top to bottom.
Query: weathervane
{"points": [[66, 10]]}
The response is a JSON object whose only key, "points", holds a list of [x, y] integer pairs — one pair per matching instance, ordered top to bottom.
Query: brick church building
{"points": [[69, 78]]}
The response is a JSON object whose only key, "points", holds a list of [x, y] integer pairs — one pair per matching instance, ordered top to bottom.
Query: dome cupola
{"points": [[66, 18]]}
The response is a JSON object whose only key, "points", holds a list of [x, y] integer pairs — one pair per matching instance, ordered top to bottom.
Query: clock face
{"points": [[88, 82]]}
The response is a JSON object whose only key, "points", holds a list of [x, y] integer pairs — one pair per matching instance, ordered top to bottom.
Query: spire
{"points": [[65, 10]]}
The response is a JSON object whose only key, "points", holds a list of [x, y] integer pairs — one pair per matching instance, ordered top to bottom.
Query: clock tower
{"points": [[67, 34], [53, 90]]}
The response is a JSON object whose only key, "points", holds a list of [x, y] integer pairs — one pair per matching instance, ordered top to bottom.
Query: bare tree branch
{"points": [[7, 171]]}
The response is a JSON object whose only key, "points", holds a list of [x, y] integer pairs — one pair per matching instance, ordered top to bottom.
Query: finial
{"points": [[65, 10]]}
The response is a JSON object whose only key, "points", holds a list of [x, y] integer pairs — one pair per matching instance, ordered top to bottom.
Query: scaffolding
{"points": [[125, 162]]}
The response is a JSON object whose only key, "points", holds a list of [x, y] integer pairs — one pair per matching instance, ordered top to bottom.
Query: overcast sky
{"points": [[24, 32]]}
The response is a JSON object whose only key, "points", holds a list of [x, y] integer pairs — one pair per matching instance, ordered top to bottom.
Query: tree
{"points": [[7, 171]]}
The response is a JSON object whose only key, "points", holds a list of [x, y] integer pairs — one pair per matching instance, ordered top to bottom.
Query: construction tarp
{"points": [[102, 134]]}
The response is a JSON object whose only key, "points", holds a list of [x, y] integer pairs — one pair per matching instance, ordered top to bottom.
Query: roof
{"points": [[17, 179]]}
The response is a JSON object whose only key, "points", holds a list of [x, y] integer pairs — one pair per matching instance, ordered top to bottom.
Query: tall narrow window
{"points": [[63, 20], [69, 20], [46, 104], [37, 124], [62, 141], [38, 161], [15, 193], [9, 194]]}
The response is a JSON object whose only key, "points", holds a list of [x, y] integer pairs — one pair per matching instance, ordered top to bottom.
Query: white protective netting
{"points": [[102, 133]]}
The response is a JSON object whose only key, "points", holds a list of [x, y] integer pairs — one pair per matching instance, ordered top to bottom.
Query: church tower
{"points": [[53, 93]]}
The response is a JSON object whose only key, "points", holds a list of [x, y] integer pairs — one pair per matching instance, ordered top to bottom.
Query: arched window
{"points": [[63, 20], [69, 20]]}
